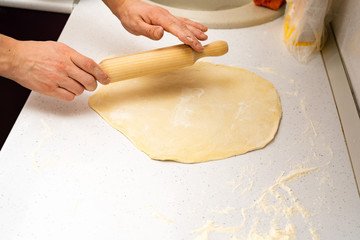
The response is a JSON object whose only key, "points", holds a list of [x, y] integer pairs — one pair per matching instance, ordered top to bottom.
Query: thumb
{"points": [[151, 31]]}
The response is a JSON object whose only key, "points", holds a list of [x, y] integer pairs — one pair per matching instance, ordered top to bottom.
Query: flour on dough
{"points": [[195, 114]]}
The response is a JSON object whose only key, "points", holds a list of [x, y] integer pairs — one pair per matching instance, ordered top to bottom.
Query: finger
{"points": [[197, 25], [179, 29], [150, 31], [198, 33], [192, 41], [89, 66], [85, 79], [72, 86], [63, 94]]}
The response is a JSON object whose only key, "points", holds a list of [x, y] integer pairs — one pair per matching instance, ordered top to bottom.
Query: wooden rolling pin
{"points": [[159, 60]]}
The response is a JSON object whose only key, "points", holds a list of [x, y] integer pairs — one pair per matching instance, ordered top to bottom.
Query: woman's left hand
{"points": [[140, 18]]}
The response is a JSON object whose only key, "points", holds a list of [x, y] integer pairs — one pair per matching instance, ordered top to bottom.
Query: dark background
{"points": [[23, 24]]}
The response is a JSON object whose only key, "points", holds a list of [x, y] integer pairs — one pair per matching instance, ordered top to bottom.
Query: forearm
{"points": [[114, 5], [7, 52]]}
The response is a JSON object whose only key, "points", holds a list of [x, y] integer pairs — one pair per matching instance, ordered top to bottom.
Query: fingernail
{"points": [[107, 81]]}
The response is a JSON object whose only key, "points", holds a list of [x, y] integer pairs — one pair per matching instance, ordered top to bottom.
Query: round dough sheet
{"points": [[195, 114]]}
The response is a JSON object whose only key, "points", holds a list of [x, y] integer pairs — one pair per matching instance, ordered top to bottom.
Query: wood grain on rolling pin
{"points": [[158, 60]]}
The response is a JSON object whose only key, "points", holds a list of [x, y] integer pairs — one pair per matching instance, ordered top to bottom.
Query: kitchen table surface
{"points": [[66, 174]]}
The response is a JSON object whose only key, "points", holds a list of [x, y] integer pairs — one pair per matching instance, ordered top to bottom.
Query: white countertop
{"points": [[66, 174]]}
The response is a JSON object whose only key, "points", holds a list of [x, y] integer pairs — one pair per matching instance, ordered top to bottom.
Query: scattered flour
{"points": [[47, 131], [278, 203], [158, 215]]}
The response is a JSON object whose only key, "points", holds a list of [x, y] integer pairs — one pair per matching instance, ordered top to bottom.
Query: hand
{"points": [[140, 18], [54, 69]]}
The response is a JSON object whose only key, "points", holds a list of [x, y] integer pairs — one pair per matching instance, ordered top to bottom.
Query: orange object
{"points": [[273, 4]]}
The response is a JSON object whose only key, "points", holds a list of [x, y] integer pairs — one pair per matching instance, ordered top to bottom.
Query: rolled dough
{"points": [[195, 114]]}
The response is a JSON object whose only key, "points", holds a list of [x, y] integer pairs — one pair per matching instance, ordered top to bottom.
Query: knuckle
{"points": [[163, 11], [172, 23], [133, 28], [149, 31], [185, 38], [62, 47], [89, 64], [61, 66], [102, 78], [90, 83], [51, 85], [47, 89], [81, 90], [78, 91]]}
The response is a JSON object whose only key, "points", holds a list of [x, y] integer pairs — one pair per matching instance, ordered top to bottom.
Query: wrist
{"points": [[114, 4], [117, 6], [7, 53]]}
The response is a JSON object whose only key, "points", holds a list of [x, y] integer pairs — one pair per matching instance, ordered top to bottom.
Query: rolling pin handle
{"points": [[214, 49]]}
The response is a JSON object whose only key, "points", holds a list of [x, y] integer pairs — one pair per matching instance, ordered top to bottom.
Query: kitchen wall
{"points": [[346, 25]]}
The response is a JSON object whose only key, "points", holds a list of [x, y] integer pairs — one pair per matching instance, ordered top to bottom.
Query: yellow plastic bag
{"points": [[305, 27]]}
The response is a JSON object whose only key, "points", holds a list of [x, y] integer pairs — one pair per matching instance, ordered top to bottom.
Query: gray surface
{"points": [[207, 5], [238, 14], [346, 25], [345, 103], [66, 174]]}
